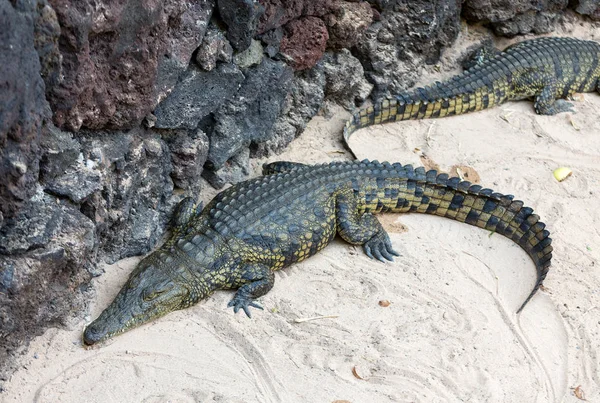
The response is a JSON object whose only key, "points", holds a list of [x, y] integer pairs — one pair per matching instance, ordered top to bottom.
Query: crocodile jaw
{"points": [[148, 294]]}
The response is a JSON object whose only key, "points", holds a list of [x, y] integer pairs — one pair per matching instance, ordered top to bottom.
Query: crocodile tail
{"points": [[467, 92], [439, 194]]}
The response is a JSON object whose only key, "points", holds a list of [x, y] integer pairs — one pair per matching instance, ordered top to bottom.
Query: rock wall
{"points": [[111, 111]]}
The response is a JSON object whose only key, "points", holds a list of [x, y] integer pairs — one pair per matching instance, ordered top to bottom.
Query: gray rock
{"points": [[590, 8], [241, 17], [510, 18], [47, 34], [407, 35], [183, 37], [272, 40], [215, 47], [249, 57], [121, 58], [344, 76], [198, 94], [304, 100], [23, 106], [250, 115], [283, 134], [60, 151], [189, 151], [235, 170], [75, 184], [136, 196], [34, 226], [6, 278], [44, 285]]}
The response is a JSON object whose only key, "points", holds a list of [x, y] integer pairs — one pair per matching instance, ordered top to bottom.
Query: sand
{"points": [[450, 332]]}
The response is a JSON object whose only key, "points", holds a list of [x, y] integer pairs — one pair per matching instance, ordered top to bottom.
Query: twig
{"points": [[301, 320]]}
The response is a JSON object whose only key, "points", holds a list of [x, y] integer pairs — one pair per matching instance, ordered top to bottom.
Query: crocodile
{"points": [[548, 70], [256, 227]]}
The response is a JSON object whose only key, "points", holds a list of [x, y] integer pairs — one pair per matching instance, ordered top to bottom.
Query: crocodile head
{"points": [[151, 291]]}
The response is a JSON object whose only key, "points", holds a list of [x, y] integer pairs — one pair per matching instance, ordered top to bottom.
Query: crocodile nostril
{"points": [[91, 335]]}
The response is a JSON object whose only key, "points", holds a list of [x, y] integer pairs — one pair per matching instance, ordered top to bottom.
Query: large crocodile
{"points": [[548, 70], [261, 225]]}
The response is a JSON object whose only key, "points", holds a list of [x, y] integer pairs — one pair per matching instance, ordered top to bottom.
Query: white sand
{"points": [[450, 333]]}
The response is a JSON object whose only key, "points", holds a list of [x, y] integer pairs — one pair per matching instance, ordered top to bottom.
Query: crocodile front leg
{"points": [[480, 57], [362, 229], [255, 280]]}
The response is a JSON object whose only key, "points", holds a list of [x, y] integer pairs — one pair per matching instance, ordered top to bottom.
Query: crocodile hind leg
{"points": [[545, 102], [362, 229], [255, 281]]}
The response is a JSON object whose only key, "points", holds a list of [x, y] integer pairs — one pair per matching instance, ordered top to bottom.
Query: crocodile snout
{"points": [[92, 334]]}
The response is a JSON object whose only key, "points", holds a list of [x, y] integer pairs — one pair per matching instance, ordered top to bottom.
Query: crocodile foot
{"points": [[560, 105], [380, 247], [239, 302]]}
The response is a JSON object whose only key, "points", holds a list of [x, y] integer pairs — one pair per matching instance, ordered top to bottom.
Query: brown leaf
{"points": [[428, 163], [465, 173], [384, 303], [356, 373], [578, 392], [341, 401]]}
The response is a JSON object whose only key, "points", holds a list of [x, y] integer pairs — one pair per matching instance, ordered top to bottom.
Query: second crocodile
{"points": [[548, 70]]}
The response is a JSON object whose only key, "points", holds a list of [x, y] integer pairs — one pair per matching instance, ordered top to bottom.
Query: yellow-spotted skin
{"points": [[545, 69], [265, 224]]}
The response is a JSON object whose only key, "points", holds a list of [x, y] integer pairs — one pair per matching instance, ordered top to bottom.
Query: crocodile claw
{"points": [[563, 106], [380, 247], [243, 303]]}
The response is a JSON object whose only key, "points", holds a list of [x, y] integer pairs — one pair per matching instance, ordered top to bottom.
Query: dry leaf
{"points": [[578, 97], [506, 116], [575, 126], [428, 163], [465, 173], [545, 289], [384, 303], [302, 320], [356, 373], [578, 392], [341, 401]]}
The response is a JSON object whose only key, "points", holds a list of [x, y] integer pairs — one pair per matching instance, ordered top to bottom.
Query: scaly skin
{"points": [[545, 69], [261, 225]]}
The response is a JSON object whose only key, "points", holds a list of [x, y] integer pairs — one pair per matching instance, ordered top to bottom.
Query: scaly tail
{"points": [[478, 88], [433, 193]]}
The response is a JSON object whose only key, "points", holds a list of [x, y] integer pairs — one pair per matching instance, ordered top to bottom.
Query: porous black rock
{"points": [[241, 17], [515, 17], [197, 94], [23, 106], [251, 114]]}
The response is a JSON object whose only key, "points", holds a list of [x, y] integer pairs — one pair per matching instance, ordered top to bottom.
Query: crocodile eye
{"points": [[149, 295]]}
